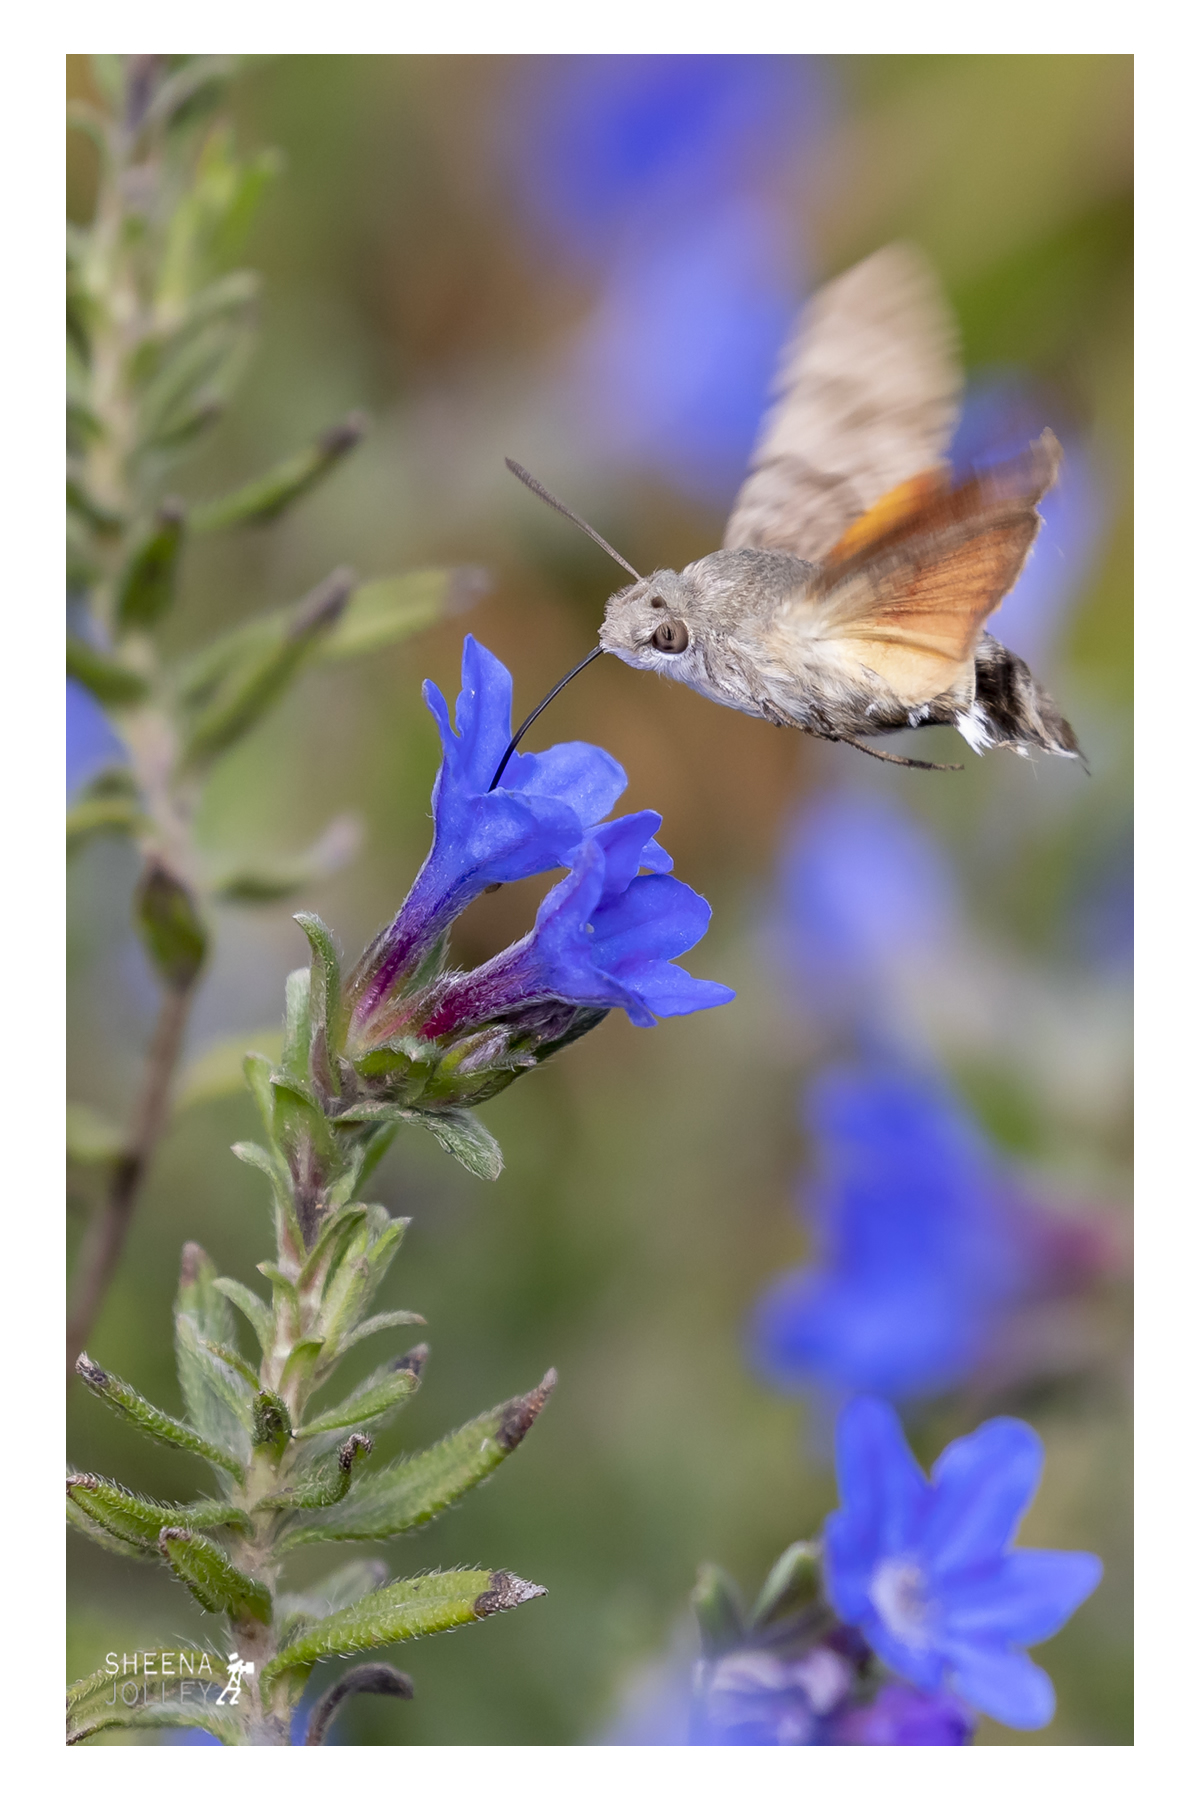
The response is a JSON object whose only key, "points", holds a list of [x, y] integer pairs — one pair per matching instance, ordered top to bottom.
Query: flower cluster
{"points": [[402, 1037], [926, 1251], [913, 1614]]}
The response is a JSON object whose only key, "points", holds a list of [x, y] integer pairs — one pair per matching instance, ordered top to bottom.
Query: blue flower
{"points": [[92, 744], [535, 820], [866, 896], [603, 938], [922, 1249], [927, 1571]]}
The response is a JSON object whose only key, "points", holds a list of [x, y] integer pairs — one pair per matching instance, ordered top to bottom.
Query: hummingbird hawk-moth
{"points": [[856, 576]]}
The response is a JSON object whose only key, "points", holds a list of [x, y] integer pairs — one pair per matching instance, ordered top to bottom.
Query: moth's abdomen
{"points": [[1011, 710]]}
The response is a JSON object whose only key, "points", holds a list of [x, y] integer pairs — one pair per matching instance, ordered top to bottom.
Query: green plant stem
{"points": [[104, 1239]]}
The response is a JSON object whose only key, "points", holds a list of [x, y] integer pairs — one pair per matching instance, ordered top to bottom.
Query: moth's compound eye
{"points": [[657, 600], [671, 637]]}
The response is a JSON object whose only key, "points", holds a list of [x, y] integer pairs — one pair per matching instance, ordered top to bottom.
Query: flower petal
{"points": [[483, 714], [587, 778], [624, 842], [656, 916], [670, 991], [982, 1484], [881, 1485], [1022, 1600], [1003, 1683]]}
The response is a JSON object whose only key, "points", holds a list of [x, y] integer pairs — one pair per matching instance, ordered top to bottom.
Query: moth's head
{"points": [[653, 624]]}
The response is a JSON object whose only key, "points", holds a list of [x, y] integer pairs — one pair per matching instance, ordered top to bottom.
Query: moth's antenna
{"points": [[535, 486], [542, 705]]}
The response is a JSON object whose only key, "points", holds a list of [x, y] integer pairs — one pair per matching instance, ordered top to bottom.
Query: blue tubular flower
{"points": [[535, 820], [604, 937], [921, 1249], [927, 1571]]}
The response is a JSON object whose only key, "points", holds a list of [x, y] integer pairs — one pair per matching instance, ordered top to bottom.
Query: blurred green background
{"points": [[455, 246]]}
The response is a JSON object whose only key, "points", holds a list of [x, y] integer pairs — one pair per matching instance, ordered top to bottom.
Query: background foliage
{"points": [[589, 264]]}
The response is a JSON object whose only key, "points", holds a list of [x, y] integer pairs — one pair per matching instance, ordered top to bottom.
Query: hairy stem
{"points": [[105, 1237]]}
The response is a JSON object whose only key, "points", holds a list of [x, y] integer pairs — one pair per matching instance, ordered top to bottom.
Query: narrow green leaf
{"points": [[268, 496], [146, 588], [390, 609], [253, 682], [112, 683], [88, 818], [332, 851], [170, 926], [325, 987], [297, 1031], [221, 1070], [91, 1138], [466, 1139], [331, 1242], [200, 1298], [287, 1300], [256, 1310], [388, 1321], [235, 1360], [302, 1360], [388, 1387], [216, 1397], [157, 1424], [324, 1483], [413, 1490], [137, 1520], [88, 1527], [211, 1578], [354, 1580], [794, 1582], [717, 1604], [403, 1610], [162, 1716]]}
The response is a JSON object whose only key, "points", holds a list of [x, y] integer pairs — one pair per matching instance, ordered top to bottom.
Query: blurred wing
{"points": [[869, 396], [910, 599]]}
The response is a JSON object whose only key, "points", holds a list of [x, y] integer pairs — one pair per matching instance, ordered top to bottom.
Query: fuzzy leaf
{"points": [[269, 495], [147, 586], [388, 610], [262, 667], [110, 681], [97, 813], [336, 847], [170, 927], [325, 987], [297, 1030], [467, 1139], [332, 1240], [352, 1283], [256, 1310], [388, 1321], [302, 1360], [388, 1387], [216, 1397], [148, 1418], [324, 1483], [415, 1489], [137, 1520], [211, 1578], [354, 1580], [795, 1581], [717, 1604], [403, 1610], [163, 1716]]}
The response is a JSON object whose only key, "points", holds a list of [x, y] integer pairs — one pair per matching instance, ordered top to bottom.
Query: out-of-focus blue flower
{"points": [[611, 146], [668, 176], [674, 366], [1000, 417], [92, 744], [535, 820], [864, 891], [604, 937], [921, 1246], [927, 1571], [756, 1697]]}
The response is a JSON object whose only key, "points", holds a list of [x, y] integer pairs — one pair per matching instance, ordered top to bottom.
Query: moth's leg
{"points": [[903, 762]]}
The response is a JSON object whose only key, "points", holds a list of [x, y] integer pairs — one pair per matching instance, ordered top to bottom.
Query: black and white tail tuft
{"points": [[1010, 710]]}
